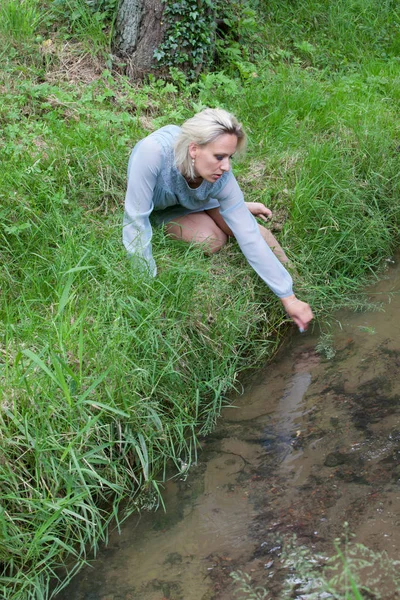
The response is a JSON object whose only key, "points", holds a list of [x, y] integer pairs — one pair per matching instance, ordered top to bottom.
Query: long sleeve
{"points": [[143, 168], [245, 229]]}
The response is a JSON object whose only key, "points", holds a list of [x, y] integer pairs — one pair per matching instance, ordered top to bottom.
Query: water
{"points": [[313, 443]]}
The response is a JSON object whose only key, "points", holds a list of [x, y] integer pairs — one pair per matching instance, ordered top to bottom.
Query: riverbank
{"points": [[106, 375], [295, 494]]}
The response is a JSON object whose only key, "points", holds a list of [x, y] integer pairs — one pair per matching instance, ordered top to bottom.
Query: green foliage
{"points": [[105, 7], [202, 33], [238, 37], [188, 41]]}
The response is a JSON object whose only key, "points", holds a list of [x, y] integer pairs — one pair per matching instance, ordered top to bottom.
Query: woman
{"points": [[184, 175]]}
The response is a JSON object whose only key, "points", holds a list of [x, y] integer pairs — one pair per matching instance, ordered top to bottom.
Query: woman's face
{"points": [[213, 159]]}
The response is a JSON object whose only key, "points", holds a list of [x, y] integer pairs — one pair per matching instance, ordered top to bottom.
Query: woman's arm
{"points": [[143, 168], [246, 231]]}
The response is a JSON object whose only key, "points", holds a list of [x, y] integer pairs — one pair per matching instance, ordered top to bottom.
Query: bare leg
{"points": [[198, 227], [267, 235], [273, 244]]}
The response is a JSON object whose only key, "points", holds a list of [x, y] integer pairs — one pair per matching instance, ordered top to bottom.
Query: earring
{"points": [[193, 162]]}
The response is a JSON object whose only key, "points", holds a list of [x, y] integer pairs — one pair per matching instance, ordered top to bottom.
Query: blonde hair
{"points": [[204, 128]]}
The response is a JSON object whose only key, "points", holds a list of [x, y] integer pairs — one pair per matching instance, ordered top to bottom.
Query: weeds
{"points": [[353, 572], [245, 587]]}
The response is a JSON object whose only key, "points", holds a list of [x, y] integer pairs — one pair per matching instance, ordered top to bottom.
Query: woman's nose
{"points": [[226, 164]]}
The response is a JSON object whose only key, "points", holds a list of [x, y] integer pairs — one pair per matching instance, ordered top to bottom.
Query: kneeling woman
{"points": [[184, 175]]}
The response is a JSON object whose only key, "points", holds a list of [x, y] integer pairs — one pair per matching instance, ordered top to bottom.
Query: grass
{"points": [[20, 20], [107, 376]]}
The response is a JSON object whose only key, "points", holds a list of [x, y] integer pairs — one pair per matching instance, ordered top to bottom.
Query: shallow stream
{"points": [[313, 443]]}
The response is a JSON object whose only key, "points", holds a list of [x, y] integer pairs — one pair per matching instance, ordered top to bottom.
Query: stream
{"points": [[314, 443]]}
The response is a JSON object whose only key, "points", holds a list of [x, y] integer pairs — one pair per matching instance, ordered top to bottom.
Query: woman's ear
{"points": [[193, 149]]}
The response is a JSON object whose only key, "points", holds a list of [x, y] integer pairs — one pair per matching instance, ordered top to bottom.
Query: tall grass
{"points": [[20, 20], [334, 35], [107, 376]]}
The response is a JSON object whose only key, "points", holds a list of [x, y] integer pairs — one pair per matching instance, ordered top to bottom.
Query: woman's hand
{"points": [[259, 210], [299, 311]]}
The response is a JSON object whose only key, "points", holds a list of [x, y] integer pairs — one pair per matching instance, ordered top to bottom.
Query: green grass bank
{"points": [[106, 375]]}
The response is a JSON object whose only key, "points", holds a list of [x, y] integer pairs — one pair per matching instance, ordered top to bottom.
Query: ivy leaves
{"points": [[190, 35]]}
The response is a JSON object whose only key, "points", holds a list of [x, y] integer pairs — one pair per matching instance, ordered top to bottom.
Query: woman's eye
{"points": [[222, 156]]}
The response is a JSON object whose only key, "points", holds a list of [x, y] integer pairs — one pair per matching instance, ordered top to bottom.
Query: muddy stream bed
{"points": [[313, 443]]}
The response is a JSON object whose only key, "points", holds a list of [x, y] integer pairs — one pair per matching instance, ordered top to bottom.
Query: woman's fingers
{"points": [[259, 210], [263, 212], [268, 212], [300, 312], [302, 316]]}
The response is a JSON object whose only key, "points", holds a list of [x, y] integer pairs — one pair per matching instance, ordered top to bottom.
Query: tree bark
{"points": [[139, 31]]}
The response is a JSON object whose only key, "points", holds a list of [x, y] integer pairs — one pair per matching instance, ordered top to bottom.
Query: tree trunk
{"points": [[139, 30]]}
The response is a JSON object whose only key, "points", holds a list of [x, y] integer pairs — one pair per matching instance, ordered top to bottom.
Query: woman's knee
{"points": [[214, 214], [198, 228], [211, 237], [216, 240]]}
